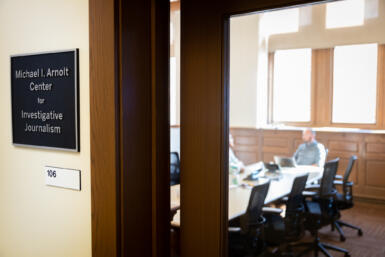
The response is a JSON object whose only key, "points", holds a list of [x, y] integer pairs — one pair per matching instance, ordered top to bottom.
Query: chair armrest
{"points": [[338, 177], [338, 182], [341, 183], [312, 187], [309, 193], [272, 210], [234, 229]]}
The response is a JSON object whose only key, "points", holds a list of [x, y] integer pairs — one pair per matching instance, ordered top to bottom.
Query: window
{"points": [[352, 10], [282, 21], [355, 84], [292, 86], [173, 93]]}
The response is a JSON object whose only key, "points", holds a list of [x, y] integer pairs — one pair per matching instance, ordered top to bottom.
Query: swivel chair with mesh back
{"points": [[174, 168], [344, 200], [321, 211], [281, 231], [246, 232]]}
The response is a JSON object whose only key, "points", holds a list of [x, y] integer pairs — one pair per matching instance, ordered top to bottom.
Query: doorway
{"points": [[205, 116]]}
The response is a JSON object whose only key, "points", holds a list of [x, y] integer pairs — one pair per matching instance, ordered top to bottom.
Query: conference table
{"points": [[280, 186]]}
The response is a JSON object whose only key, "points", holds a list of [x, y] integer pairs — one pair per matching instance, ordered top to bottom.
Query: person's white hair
{"points": [[311, 130]]}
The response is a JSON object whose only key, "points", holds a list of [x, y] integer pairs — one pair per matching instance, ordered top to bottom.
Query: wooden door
{"points": [[129, 89], [205, 120]]}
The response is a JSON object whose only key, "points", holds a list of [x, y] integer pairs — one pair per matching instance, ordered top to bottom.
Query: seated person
{"points": [[310, 152], [235, 165]]}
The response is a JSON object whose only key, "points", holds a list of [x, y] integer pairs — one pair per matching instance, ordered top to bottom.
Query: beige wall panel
{"points": [[37, 220]]}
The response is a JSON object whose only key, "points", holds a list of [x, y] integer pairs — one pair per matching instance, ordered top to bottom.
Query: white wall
{"points": [[315, 35], [244, 42], [250, 43], [175, 140], [37, 220]]}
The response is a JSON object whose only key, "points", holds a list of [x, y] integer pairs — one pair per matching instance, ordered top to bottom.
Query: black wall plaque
{"points": [[45, 100]]}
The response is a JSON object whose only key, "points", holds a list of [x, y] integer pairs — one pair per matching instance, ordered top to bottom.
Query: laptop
{"points": [[285, 162]]}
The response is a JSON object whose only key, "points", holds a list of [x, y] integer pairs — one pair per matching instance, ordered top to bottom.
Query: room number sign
{"points": [[65, 178]]}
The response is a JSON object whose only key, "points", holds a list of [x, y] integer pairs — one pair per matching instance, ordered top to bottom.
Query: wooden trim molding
{"points": [[322, 85], [129, 89], [313, 99], [104, 116]]}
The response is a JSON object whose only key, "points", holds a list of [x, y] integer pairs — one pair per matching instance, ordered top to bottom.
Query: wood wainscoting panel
{"points": [[244, 132], [246, 140], [276, 142], [283, 143], [246, 144], [276, 145], [343, 146], [246, 148], [375, 148], [276, 150], [375, 151], [247, 157], [268, 157], [375, 173], [368, 174]]}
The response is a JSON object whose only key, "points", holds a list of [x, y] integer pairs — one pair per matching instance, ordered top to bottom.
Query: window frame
{"points": [[322, 96]]}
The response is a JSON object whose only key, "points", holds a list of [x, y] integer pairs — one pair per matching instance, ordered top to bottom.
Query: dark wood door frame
{"points": [[129, 110], [205, 120]]}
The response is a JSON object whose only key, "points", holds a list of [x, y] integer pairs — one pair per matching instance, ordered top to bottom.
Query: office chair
{"points": [[174, 168], [344, 200], [321, 211], [280, 231], [246, 232]]}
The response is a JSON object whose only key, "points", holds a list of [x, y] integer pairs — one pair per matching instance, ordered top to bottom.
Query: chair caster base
{"points": [[360, 233], [342, 238], [347, 255]]}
